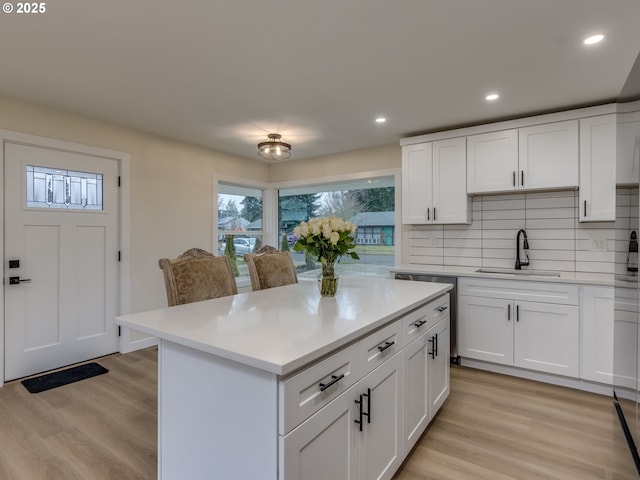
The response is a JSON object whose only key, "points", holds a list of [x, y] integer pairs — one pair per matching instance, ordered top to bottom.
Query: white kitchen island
{"points": [[238, 375]]}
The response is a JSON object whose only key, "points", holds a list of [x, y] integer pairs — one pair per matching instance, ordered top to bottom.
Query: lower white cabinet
{"points": [[499, 326], [596, 333], [438, 365], [426, 369], [381, 403], [356, 436], [325, 446]]}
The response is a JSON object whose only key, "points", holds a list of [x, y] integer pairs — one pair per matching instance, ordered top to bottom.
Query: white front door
{"points": [[61, 258]]}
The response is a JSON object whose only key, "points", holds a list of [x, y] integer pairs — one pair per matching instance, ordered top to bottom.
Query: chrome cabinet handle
{"points": [[334, 379]]}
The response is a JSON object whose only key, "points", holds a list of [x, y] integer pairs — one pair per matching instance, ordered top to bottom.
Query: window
{"points": [[63, 189], [370, 204], [240, 230]]}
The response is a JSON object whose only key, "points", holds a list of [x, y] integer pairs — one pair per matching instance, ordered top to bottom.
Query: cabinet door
{"points": [[628, 148], [548, 155], [492, 161], [597, 177], [417, 184], [450, 201], [485, 329], [596, 334], [546, 338], [438, 365], [416, 397], [324, 446], [381, 449]]}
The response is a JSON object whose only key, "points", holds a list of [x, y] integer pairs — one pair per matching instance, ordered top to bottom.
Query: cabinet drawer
{"points": [[546, 292], [438, 309], [415, 324], [379, 347], [305, 393]]}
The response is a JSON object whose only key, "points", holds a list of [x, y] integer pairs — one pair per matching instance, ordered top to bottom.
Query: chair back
{"points": [[270, 268], [197, 275]]}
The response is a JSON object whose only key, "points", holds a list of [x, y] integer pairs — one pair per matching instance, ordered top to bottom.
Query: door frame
{"points": [[124, 160]]}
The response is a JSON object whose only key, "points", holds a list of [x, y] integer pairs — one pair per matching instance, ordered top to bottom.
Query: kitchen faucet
{"points": [[525, 246]]}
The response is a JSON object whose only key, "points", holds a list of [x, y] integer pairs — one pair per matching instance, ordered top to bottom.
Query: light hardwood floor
{"points": [[491, 427]]}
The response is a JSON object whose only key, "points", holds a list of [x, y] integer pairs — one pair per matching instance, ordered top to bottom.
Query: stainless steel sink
{"points": [[523, 273]]}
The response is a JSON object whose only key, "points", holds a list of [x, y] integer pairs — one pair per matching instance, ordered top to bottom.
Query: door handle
{"points": [[18, 280]]}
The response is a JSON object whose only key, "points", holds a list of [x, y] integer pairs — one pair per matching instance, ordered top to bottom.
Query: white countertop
{"points": [[565, 277], [282, 329]]}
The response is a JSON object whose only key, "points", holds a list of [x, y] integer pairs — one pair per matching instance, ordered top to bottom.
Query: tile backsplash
{"points": [[557, 241]]}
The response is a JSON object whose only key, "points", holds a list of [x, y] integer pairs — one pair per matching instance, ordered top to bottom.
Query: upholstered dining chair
{"points": [[270, 268], [197, 275]]}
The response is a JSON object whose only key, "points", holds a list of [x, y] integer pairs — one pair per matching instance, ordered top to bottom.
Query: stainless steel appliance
{"points": [[453, 300]]}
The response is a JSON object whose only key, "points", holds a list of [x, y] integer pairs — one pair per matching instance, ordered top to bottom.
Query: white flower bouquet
{"points": [[326, 238]]}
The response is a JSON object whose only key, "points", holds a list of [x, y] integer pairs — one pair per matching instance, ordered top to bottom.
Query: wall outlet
{"points": [[599, 245]]}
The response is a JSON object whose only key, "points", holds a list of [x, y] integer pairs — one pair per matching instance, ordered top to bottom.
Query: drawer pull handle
{"points": [[441, 309], [419, 323], [432, 341], [386, 345], [334, 379], [368, 412], [359, 421]]}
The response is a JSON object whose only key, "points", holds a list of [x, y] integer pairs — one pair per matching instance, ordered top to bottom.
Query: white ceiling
{"points": [[225, 73]]}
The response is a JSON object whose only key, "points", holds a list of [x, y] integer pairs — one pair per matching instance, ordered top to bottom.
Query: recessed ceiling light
{"points": [[593, 39], [492, 96], [381, 120]]}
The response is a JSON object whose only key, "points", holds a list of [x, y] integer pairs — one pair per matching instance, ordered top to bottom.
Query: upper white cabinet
{"points": [[628, 148], [548, 156], [529, 158], [492, 161], [417, 168], [597, 177], [433, 182]]}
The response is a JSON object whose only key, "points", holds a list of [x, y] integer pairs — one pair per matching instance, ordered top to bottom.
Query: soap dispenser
{"points": [[632, 260]]}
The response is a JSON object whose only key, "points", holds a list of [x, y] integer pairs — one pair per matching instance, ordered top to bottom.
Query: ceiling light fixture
{"points": [[593, 39], [492, 96], [381, 120], [274, 149]]}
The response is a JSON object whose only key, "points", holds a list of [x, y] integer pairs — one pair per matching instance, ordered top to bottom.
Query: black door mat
{"points": [[63, 377]]}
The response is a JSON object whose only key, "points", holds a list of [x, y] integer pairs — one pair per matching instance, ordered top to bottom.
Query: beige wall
{"points": [[366, 160], [170, 185]]}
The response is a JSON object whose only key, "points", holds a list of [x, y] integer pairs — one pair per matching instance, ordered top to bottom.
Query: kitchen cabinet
{"points": [[628, 148], [548, 156], [529, 158], [492, 161], [433, 183], [597, 193], [499, 323], [596, 333], [438, 365], [426, 367], [356, 436]]}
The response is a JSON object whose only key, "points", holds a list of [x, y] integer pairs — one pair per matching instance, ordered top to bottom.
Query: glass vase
{"points": [[328, 280]]}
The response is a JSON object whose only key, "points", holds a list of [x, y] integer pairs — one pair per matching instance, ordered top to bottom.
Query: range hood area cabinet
{"points": [[529, 158], [434, 189]]}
